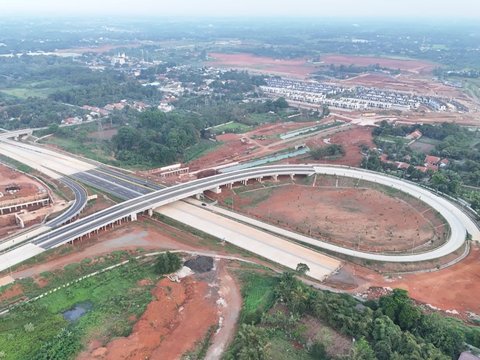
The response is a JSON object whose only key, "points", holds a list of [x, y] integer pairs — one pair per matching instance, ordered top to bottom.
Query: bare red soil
{"points": [[415, 66], [294, 68], [405, 82], [351, 140], [258, 144], [27, 186], [375, 220], [130, 236], [454, 288], [12, 292], [173, 323]]}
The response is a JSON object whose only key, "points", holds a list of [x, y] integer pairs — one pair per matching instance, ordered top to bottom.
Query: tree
{"points": [[167, 263], [302, 268], [252, 343], [362, 351]]}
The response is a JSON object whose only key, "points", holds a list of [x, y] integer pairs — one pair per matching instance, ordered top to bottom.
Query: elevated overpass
{"points": [[15, 134], [458, 221]]}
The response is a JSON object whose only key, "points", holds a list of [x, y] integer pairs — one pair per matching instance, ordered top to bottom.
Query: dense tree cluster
{"points": [[156, 138], [332, 150], [392, 328]]}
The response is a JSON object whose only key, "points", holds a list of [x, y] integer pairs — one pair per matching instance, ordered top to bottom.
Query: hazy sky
{"points": [[315, 8]]}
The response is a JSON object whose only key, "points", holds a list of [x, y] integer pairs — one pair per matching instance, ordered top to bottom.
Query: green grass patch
{"points": [[257, 119], [235, 128], [203, 147], [93, 150], [257, 196], [258, 295], [114, 296], [281, 348]]}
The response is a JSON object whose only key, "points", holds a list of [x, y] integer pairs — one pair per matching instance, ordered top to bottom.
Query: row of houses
{"points": [[355, 98], [433, 163]]}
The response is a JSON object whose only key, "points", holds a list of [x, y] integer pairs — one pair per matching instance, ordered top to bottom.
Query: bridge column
{"points": [[292, 176], [275, 177], [259, 179], [245, 182], [230, 185], [217, 190], [198, 196], [150, 212], [133, 217]]}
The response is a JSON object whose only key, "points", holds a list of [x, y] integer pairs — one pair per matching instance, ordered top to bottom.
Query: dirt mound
{"points": [[200, 264]]}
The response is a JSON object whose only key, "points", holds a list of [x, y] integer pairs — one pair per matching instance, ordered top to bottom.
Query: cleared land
{"points": [[416, 66], [295, 68], [361, 218], [454, 288]]}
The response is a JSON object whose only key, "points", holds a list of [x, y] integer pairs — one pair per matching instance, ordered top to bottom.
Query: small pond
{"points": [[77, 311]]}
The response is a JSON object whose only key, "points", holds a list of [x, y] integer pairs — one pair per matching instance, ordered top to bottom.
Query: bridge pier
{"points": [[217, 190], [150, 212], [133, 217]]}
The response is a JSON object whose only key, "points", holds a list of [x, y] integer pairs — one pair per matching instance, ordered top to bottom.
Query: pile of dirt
{"points": [[200, 264]]}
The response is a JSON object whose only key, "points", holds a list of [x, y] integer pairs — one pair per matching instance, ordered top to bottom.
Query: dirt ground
{"points": [[415, 66], [298, 68], [405, 82], [350, 139], [261, 142], [28, 187], [29, 190], [375, 220], [130, 236], [454, 288], [173, 323]]}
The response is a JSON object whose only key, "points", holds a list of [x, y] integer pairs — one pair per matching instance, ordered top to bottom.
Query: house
{"points": [[415, 135], [434, 162], [402, 165]]}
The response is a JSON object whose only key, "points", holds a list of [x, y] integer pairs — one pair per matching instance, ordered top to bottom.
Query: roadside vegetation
{"points": [[110, 301], [282, 318]]}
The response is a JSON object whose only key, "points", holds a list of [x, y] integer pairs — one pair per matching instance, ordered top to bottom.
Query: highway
{"points": [[143, 196], [79, 203], [458, 221]]}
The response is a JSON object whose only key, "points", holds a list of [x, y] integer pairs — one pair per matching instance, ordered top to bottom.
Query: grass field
{"points": [[235, 128], [200, 149], [93, 150], [258, 295], [37, 330]]}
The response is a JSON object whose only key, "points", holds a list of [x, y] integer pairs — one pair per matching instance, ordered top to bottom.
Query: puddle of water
{"points": [[77, 311]]}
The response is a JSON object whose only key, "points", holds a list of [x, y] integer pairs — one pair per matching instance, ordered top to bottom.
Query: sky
{"points": [[258, 8]]}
